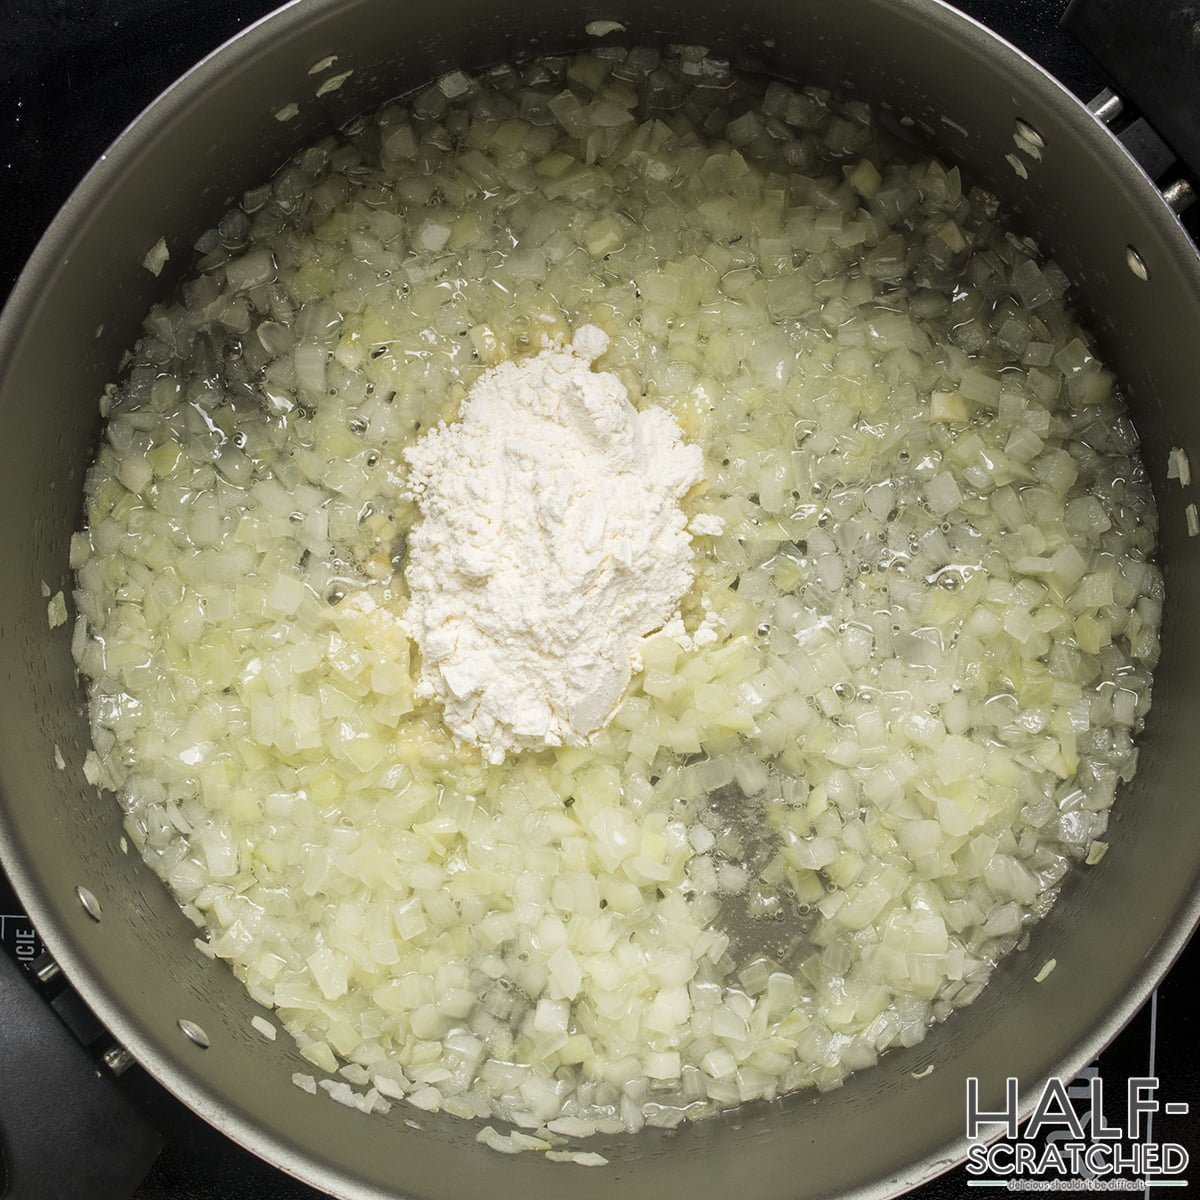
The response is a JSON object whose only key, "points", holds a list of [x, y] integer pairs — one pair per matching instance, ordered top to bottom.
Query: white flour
{"points": [[552, 539]]}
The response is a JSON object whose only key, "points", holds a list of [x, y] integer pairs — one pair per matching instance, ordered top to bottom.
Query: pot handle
{"points": [[1150, 49], [66, 1130]]}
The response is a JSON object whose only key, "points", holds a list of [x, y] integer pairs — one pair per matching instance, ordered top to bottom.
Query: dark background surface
{"points": [[73, 73]]}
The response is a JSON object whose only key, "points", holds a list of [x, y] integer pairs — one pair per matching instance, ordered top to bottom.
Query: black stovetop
{"points": [[87, 67]]}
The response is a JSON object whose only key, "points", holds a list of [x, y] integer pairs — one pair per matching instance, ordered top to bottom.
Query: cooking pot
{"points": [[112, 925]]}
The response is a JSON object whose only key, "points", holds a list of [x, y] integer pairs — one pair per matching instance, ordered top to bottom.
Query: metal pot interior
{"points": [[80, 303]]}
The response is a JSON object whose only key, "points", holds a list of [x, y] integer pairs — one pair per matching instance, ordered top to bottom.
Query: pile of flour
{"points": [[551, 540]]}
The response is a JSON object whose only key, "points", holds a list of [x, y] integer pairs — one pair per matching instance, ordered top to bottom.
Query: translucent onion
{"points": [[896, 706]]}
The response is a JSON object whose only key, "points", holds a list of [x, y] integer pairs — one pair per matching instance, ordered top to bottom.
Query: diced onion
{"points": [[895, 707]]}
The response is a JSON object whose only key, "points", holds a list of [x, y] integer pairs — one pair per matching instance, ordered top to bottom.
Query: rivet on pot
{"points": [[1106, 106], [1029, 134], [1180, 196], [1136, 263], [90, 904], [45, 969], [193, 1032], [117, 1059]]}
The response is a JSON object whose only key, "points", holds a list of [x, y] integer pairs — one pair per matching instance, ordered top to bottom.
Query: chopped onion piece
{"points": [[156, 257], [1179, 466]]}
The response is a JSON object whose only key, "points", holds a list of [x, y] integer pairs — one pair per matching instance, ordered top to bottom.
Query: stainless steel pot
{"points": [[129, 950]]}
